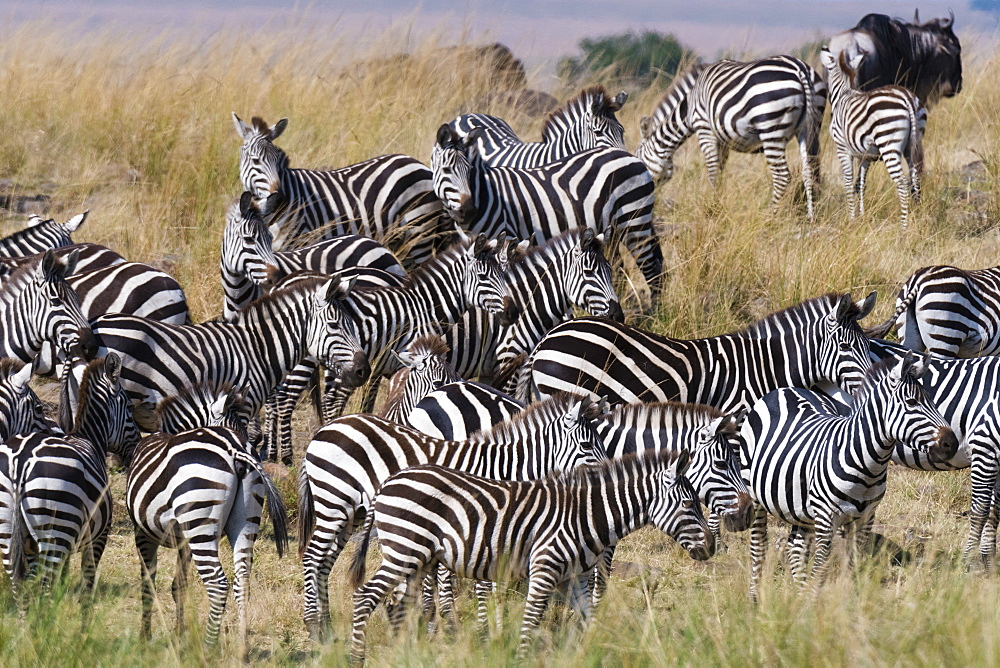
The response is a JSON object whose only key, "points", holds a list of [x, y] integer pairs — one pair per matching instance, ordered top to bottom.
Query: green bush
{"points": [[640, 56]]}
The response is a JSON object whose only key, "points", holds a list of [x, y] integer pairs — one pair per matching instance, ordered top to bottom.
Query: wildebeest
{"points": [[926, 58]]}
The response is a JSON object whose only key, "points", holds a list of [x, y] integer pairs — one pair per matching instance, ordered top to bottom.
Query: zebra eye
{"points": [[845, 347], [912, 401]]}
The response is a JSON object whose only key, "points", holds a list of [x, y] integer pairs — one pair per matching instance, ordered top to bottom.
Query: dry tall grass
{"points": [[138, 131]]}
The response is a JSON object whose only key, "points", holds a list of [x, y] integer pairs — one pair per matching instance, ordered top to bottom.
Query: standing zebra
{"points": [[746, 107], [584, 122], [884, 124], [607, 190], [389, 198], [40, 235], [248, 262], [544, 282], [948, 311], [800, 346], [254, 353], [425, 369], [348, 460], [820, 471], [59, 484], [184, 492], [550, 532]]}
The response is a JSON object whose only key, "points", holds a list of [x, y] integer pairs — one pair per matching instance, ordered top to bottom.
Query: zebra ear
{"points": [[916, 16], [827, 58], [618, 101], [598, 104], [645, 127], [242, 129], [276, 129], [445, 135], [474, 135], [246, 201], [34, 220], [74, 223], [587, 239], [479, 244], [70, 261], [54, 268], [338, 287], [844, 304], [866, 305], [406, 358], [917, 367], [113, 368], [901, 370], [19, 380], [218, 407], [576, 410], [146, 417], [681, 464]]}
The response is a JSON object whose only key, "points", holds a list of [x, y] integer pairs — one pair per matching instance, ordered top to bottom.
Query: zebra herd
{"points": [[516, 442]]}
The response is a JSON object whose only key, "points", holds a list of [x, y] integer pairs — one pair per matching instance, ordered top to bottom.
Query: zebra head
{"points": [[587, 121], [668, 127], [261, 162], [452, 165], [246, 253], [588, 277], [484, 282], [47, 308], [332, 336], [844, 353], [425, 369], [893, 389], [21, 411], [103, 414], [572, 440], [715, 471], [676, 511]]}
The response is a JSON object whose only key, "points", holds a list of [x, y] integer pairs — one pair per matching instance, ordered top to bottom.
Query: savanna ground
{"points": [[138, 131]]}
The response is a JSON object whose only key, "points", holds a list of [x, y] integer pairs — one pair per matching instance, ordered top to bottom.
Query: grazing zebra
{"points": [[746, 107], [584, 122], [884, 124], [607, 190], [389, 198], [40, 235], [248, 261], [545, 282], [38, 305], [948, 311], [818, 339], [254, 353], [425, 369], [201, 405], [349, 458], [821, 471], [58, 484], [185, 492], [550, 532]]}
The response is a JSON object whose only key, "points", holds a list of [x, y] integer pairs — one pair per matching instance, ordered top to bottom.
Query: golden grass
{"points": [[138, 131]]}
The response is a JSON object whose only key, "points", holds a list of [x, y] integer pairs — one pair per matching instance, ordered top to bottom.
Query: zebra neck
{"points": [[536, 285], [237, 292], [436, 295], [19, 304], [276, 336], [869, 434], [618, 503]]}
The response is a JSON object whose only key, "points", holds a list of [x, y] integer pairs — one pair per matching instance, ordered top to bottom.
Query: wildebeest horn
{"points": [[951, 20]]}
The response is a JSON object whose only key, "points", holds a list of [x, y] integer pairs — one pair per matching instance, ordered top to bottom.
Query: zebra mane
{"points": [[685, 79], [577, 107], [260, 126], [32, 230], [420, 272], [279, 295], [822, 304], [429, 344], [93, 369], [873, 377], [200, 396], [540, 412], [665, 415], [626, 466]]}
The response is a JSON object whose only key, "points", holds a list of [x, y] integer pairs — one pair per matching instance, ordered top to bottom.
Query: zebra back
{"points": [[39, 236]]}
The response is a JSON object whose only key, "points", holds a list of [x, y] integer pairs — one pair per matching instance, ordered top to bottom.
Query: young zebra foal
{"points": [[884, 124], [425, 369], [820, 471], [549, 532]]}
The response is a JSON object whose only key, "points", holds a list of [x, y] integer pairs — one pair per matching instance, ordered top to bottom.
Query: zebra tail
{"points": [[812, 120], [916, 141], [903, 303], [316, 394], [275, 505], [307, 510], [18, 534], [361, 554]]}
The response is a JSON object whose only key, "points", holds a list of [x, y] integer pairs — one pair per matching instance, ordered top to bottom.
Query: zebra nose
{"points": [[466, 210], [615, 312], [508, 316], [86, 347], [946, 446], [741, 516], [703, 552]]}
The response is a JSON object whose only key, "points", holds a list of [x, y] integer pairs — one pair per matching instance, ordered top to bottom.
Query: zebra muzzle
{"points": [[510, 313], [86, 347], [946, 446], [741, 514]]}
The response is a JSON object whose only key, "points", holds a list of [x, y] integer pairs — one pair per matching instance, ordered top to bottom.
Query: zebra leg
{"points": [[710, 148], [777, 163], [894, 163], [847, 169], [810, 170], [861, 183], [286, 397], [335, 398], [269, 431], [983, 467], [714, 525], [826, 527], [242, 528], [988, 543], [861, 545], [758, 548], [147, 549], [797, 552], [91, 558], [317, 561], [206, 562], [602, 571], [542, 582], [178, 588], [484, 590], [446, 598], [366, 599], [581, 600], [402, 601], [428, 607]]}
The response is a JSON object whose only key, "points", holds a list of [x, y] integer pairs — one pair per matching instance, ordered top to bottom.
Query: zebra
{"points": [[747, 107], [584, 122], [885, 124], [607, 190], [389, 198], [40, 235], [89, 257], [248, 262], [545, 282], [38, 305], [948, 311], [269, 338], [818, 339], [425, 368], [207, 404], [21, 411], [349, 458], [821, 471], [58, 485], [184, 491], [550, 532]]}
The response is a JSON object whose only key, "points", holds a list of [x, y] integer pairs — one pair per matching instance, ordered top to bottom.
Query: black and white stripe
{"points": [[751, 107], [584, 122], [884, 124], [607, 190], [389, 198], [40, 235], [89, 257], [818, 339], [254, 353], [425, 369], [349, 458], [821, 471], [58, 484], [187, 491], [549, 532]]}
